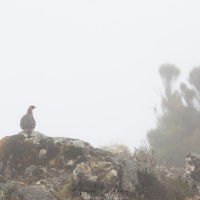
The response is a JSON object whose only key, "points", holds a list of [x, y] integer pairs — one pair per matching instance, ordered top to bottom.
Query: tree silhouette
{"points": [[169, 74], [194, 78], [177, 132]]}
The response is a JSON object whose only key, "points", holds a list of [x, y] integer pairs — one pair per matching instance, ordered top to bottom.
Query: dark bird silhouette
{"points": [[27, 122]]}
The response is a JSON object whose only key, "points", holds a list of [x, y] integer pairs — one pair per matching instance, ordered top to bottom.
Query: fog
{"points": [[91, 67]]}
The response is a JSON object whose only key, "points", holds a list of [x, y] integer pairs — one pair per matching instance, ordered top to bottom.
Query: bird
{"points": [[27, 122]]}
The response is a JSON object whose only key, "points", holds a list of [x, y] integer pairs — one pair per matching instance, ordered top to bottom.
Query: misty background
{"points": [[91, 67]]}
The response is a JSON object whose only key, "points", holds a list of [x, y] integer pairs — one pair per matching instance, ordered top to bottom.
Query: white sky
{"points": [[90, 67]]}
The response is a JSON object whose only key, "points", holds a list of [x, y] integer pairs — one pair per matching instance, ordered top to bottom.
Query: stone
{"points": [[48, 168]]}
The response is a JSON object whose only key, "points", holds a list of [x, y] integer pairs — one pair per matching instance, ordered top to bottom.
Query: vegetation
{"points": [[177, 131], [120, 150], [151, 186]]}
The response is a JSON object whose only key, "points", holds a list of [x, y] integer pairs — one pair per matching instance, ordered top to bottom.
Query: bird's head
{"points": [[30, 109]]}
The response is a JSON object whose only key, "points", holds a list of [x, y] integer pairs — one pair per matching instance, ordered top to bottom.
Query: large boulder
{"points": [[55, 168]]}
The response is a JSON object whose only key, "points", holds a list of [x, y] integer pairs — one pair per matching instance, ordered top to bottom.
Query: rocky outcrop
{"points": [[193, 166], [54, 168], [193, 169]]}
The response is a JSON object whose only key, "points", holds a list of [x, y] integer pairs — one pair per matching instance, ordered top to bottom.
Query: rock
{"points": [[193, 166], [42, 167], [193, 170]]}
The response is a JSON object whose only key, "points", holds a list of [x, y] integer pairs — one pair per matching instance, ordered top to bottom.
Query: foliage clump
{"points": [[144, 153], [154, 183]]}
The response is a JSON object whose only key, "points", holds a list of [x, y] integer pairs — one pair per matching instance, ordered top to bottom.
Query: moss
{"points": [[56, 161], [100, 164], [81, 167], [101, 169], [80, 171], [65, 192], [2, 194]]}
